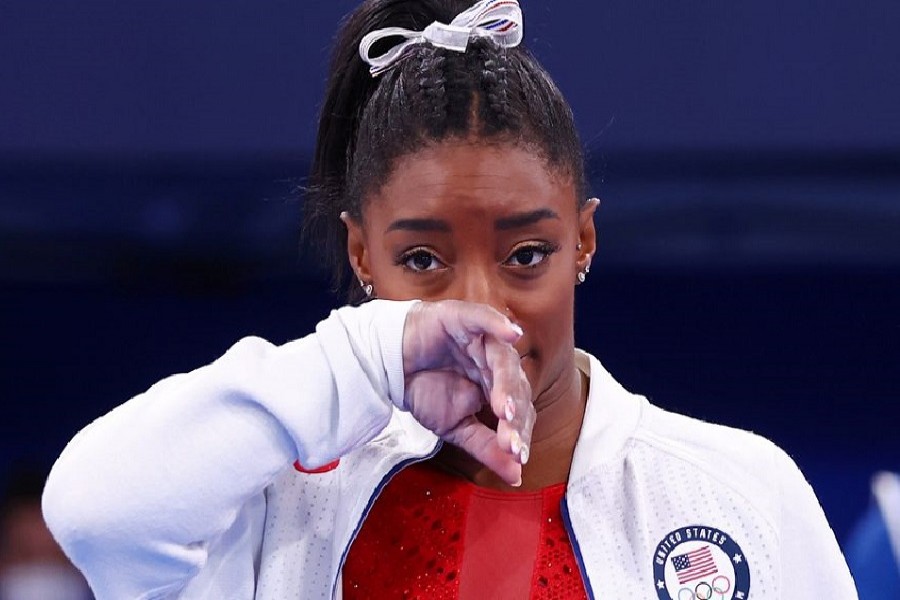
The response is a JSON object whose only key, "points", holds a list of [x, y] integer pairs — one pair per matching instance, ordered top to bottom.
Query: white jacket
{"points": [[188, 490]]}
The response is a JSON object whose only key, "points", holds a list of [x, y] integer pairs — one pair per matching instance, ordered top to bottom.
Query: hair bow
{"points": [[500, 20]]}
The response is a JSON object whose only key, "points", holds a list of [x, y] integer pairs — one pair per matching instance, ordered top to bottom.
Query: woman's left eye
{"points": [[530, 256]]}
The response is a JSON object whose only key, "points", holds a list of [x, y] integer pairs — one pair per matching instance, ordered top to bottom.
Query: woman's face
{"points": [[485, 223]]}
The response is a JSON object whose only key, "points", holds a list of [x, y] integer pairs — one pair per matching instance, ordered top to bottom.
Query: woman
{"points": [[449, 172]]}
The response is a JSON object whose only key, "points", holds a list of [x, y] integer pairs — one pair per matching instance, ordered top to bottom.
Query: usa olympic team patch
{"points": [[700, 563]]}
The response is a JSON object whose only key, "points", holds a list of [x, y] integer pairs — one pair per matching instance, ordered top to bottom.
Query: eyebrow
{"points": [[524, 219], [504, 223], [418, 225]]}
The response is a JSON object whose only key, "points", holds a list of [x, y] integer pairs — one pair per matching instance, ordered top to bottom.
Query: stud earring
{"points": [[581, 276]]}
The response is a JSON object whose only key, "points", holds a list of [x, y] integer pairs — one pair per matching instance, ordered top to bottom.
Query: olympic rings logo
{"points": [[721, 585]]}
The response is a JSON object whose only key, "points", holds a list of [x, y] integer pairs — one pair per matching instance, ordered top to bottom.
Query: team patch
{"points": [[700, 563]]}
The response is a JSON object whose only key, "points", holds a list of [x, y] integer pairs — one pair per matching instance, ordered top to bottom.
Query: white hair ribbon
{"points": [[500, 20]]}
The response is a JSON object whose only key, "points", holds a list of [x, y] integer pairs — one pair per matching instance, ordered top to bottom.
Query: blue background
{"points": [[747, 156]]}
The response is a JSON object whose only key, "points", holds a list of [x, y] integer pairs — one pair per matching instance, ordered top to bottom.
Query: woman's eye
{"points": [[529, 256], [421, 260]]}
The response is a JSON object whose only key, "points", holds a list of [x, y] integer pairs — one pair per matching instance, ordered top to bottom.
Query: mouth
{"points": [[524, 353]]}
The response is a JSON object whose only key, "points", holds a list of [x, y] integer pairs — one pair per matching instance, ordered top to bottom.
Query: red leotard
{"points": [[434, 536]]}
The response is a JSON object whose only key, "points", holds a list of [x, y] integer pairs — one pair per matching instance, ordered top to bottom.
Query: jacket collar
{"points": [[610, 418]]}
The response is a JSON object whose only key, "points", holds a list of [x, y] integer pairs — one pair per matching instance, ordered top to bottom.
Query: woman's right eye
{"points": [[420, 260]]}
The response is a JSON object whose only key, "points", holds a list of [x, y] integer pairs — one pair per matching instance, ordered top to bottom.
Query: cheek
{"points": [[388, 277], [548, 306], [547, 317]]}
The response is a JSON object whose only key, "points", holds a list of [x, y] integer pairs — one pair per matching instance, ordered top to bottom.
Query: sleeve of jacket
{"points": [[138, 496], [812, 566]]}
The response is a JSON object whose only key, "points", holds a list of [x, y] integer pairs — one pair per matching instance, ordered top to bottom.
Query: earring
{"points": [[582, 275], [367, 288]]}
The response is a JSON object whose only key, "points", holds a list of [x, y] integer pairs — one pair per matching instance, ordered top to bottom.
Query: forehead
{"points": [[470, 179]]}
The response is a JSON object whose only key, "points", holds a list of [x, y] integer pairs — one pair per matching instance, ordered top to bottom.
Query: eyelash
{"points": [[544, 248], [407, 256]]}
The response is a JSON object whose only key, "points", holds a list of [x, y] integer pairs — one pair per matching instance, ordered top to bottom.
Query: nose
{"points": [[480, 285]]}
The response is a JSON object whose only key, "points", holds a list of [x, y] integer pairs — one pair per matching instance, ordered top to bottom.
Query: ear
{"points": [[587, 235], [357, 249]]}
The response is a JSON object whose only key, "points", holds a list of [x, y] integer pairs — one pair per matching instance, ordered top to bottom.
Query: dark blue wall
{"points": [[239, 76]]}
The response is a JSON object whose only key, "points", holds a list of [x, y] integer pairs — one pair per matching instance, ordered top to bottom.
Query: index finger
{"points": [[481, 319], [510, 398]]}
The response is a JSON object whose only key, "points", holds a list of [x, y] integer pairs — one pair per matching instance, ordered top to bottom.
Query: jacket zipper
{"points": [[375, 493], [576, 549]]}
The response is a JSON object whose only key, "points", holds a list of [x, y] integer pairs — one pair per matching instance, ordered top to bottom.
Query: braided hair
{"points": [[430, 95]]}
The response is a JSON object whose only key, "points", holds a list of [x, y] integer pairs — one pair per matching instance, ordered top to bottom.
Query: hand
{"points": [[457, 358]]}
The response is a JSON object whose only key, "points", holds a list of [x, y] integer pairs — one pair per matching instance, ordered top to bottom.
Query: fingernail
{"points": [[516, 328], [509, 411], [515, 443], [524, 453], [518, 482]]}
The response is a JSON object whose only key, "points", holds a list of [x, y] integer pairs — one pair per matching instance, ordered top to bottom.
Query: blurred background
{"points": [[747, 156]]}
